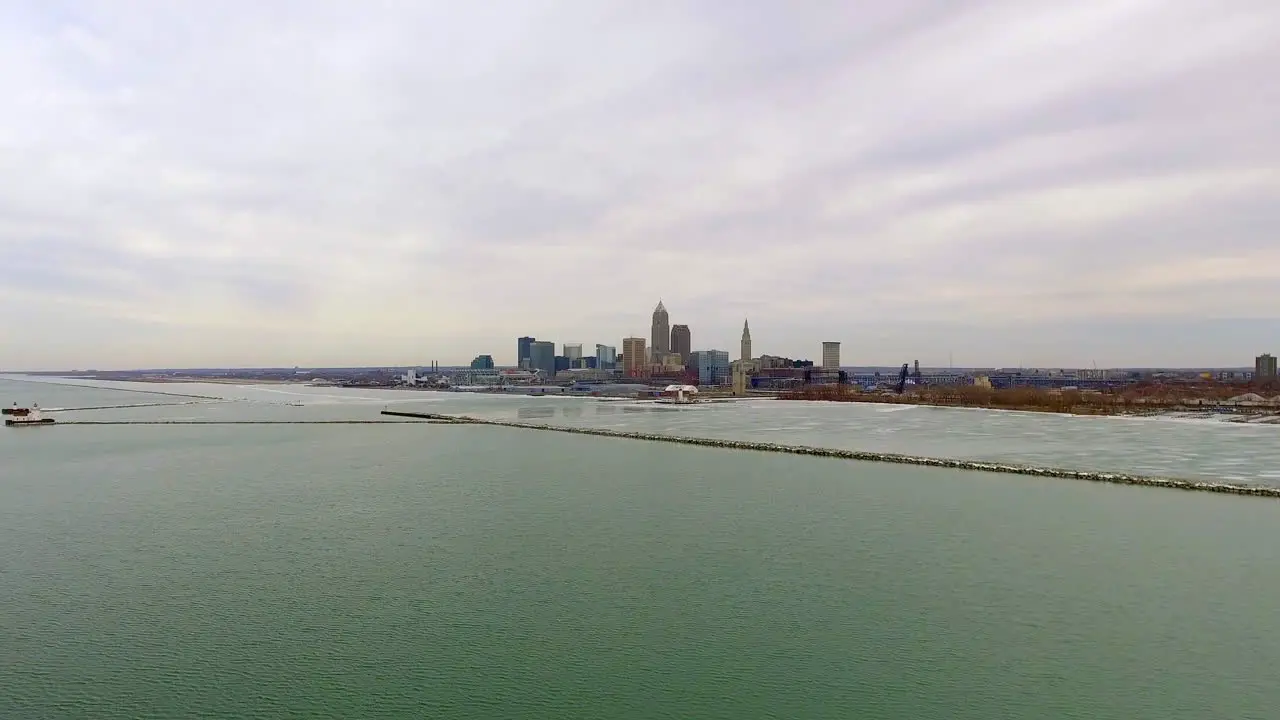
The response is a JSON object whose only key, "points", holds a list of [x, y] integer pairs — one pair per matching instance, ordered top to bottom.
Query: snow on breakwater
{"points": [[979, 465]]}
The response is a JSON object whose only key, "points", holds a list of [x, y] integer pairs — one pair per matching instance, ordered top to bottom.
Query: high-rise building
{"points": [[660, 333], [746, 341], [680, 342], [522, 351], [573, 351], [633, 356], [830, 356], [542, 357], [606, 357], [482, 362], [562, 363], [712, 366], [1264, 367]]}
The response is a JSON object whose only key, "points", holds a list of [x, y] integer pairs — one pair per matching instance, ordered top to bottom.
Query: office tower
{"points": [[660, 333], [746, 341], [680, 342], [522, 351], [573, 351], [633, 356], [830, 356], [542, 357], [606, 357], [482, 362], [562, 363], [712, 366], [1264, 367]]}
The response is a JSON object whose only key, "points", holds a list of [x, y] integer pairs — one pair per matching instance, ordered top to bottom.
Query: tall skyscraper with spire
{"points": [[660, 334], [742, 366]]}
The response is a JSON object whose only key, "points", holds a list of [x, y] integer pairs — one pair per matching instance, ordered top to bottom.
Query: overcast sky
{"points": [[330, 183]]}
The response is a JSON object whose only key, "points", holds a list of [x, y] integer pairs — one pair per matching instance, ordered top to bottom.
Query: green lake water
{"points": [[473, 572]]}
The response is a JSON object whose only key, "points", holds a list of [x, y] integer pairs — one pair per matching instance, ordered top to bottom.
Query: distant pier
{"points": [[64, 423], [978, 465]]}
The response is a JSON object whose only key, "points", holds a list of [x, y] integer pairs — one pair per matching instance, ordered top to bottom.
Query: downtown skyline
{"points": [[1000, 183]]}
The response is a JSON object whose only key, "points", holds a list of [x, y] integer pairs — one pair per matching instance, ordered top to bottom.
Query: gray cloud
{"points": [[334, 182]]}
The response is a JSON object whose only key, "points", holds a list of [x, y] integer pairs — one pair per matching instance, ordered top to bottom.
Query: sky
{"points": [[321, 183]]}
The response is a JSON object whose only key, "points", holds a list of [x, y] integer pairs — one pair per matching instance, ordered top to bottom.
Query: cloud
{"points": [[330, 183]]}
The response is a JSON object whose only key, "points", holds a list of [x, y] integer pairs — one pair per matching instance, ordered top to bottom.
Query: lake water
{"points": [[1188, 449], [477, 572]]}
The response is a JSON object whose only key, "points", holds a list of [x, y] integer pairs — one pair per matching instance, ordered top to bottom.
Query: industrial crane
{"points": [[902, 380]]}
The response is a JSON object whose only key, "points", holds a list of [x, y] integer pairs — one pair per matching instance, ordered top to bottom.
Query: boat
{"points": [[24, 417]]}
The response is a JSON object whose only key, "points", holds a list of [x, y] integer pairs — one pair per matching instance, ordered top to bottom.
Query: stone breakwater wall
{"points": [[120, 407], [64, 423], [982, 466]]}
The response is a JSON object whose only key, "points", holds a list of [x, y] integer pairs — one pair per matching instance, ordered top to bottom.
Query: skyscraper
{"points": [[660, 333], [746, 341], [680, 342], [522, 351], [573, 351], [542, 356], [830, 356], [606, 357], [633, 359], [482, 362], [712, 366], [1264, 367]]}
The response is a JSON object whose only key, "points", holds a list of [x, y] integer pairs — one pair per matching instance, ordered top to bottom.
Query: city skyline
{"points": [[1005, 183]]}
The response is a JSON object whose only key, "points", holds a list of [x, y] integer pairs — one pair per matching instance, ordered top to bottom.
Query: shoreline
{"points": [[1248, 415]]}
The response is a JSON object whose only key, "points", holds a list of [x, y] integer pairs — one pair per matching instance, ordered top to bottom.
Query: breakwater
{"points": [[117, 389], [134, 405], [429, 416], [63, 423], [868, 456]]}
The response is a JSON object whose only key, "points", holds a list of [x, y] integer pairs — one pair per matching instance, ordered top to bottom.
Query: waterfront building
{"points": [[660, 332], [681, 342], [573, 351], [523, 354], [633, 356], [831, 356], [542, 357], [606, 357], [482, 362], [769, 362], [563, 363], [712, 366], [1264, 367], [782, 377]]}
